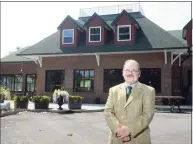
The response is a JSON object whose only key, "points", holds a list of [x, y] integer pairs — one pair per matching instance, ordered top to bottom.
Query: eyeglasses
{"points": [[131, 71]]}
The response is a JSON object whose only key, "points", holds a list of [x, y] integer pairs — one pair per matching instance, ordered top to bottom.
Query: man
{"points": [[130, 108]]}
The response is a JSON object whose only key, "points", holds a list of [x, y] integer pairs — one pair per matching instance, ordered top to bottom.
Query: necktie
{"points": [[128, 92]]}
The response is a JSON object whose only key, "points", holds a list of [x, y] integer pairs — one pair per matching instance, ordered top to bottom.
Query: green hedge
{"points": [[75, 99], [20, 101], [41, 102]]}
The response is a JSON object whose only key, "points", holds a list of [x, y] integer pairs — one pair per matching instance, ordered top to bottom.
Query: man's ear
{"points": [[139, 73]]}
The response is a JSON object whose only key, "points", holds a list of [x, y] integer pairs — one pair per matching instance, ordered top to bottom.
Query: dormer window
{"points": [[124, 33], [94, 34], [68, 36]]}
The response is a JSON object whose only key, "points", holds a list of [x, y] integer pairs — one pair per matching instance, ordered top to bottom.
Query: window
{"points": [[124, 33], [94, 34], [68, 36], [112, 77], [151, 77], [54, 80], [83, 80], [12, 82], [31, 82]]}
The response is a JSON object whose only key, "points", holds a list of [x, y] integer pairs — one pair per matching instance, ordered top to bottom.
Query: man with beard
{"points": [[130, 108]]}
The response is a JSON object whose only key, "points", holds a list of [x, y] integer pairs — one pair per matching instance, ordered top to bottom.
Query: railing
{"points": [[133, 7]]}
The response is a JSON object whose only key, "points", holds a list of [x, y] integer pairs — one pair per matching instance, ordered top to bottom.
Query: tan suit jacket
{"points": [[136, 113]]}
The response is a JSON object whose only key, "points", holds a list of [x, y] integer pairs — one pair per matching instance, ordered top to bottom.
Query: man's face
{"points": [[131, 73]]}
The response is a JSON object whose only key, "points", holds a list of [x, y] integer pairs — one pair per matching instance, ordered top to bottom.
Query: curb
{"points": [[49, 110], [87, 111], [12, 112]]}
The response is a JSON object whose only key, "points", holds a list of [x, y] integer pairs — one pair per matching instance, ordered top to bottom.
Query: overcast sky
{"points": [[26, 23]]}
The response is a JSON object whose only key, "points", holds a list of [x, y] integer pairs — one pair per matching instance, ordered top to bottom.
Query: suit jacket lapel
{"points": [[134, 94], [122, 96]]}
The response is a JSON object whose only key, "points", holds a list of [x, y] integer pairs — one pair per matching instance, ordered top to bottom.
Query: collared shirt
{"points": [[132, 85]]}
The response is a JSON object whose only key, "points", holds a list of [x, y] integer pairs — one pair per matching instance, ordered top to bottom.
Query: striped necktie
{"points": [[128, 92]]}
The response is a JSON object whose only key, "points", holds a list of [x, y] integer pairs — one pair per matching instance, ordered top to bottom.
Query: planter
{"points": [[41, 102], [60, 102], [22, 104], [41, 105], [76, 105]]}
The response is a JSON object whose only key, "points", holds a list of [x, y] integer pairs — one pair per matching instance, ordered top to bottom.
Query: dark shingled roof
{"points": [[178, 35], [150, 37], [12, 57]]}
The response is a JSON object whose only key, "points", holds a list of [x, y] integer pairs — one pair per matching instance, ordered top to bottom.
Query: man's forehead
{"points": [[131, 64]]}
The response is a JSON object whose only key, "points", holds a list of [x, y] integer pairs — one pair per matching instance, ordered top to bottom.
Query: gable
{"points": [[124, 18]]}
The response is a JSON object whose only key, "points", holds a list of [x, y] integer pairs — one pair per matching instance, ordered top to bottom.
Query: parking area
{"points": [[85, 128]]}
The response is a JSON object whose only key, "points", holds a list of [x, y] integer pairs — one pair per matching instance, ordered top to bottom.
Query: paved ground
{"points": [[87, 128]]}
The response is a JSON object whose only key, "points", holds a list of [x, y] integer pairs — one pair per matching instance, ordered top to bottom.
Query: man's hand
{"points": [[123, 133]]}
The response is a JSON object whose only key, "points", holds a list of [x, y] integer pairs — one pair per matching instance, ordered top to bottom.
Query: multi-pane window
{"points": [[124, 33], [94, 34], [68, 36], [112, 77], [151, 77], [54, 80], [83, 80], [13, 82], [31, 82]]}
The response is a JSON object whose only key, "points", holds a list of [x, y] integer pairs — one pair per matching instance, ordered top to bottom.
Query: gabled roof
{"points": [[122, 13], [92, 17], [78, 25], [186, 26], [185, 29], [150, 37], [12, 57]]}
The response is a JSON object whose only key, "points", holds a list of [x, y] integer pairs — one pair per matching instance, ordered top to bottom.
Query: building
{"points": [[86, 56]]}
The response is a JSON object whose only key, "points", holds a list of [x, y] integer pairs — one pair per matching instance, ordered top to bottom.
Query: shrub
{"points": [[4, 94], [41, 99], [75, 99], [20, 101], [41, 102]]}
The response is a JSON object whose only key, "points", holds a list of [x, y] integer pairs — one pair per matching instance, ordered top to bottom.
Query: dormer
{"points": [[125, 29], [96, 31], [71, 32]]}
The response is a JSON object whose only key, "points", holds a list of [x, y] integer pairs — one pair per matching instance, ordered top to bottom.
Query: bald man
{"points": [[130, 108]]}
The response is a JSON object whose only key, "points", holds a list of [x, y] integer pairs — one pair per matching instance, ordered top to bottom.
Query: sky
{"points": [[26, 23]]}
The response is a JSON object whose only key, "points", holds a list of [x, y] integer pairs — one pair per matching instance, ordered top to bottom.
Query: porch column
{"points": [[167, 77], [40, 81], [68, 81], [99, 83]]}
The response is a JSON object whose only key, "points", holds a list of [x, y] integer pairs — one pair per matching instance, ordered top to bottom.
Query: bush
{"points": [[4, 94], [75, 99], [20, 101], [41, 102]]}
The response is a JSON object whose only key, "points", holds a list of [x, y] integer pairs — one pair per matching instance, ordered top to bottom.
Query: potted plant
{"points": [[60, 97], [21, 101], [41, 102], [75, 102]]}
